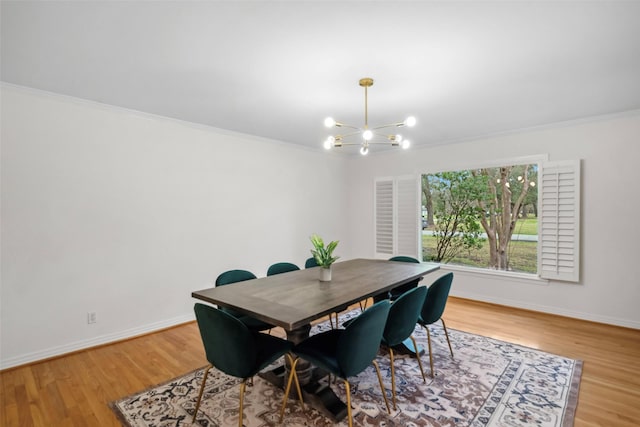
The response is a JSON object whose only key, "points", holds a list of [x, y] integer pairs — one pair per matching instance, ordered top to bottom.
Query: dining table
{"points": [[293, 300]]}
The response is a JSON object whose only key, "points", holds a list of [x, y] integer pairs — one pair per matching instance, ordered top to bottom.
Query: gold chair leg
{"points": [[446, 334], [415, 345], [430, 353], [292, 376], [295, 378], [204, 380], [393, 380], [243, 386], [348, 390], [384, 393]]}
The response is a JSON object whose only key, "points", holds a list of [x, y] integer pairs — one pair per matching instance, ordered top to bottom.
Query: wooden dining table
{"points": [[294, 299]]}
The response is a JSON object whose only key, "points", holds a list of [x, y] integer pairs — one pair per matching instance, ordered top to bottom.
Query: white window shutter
{"points": [[384, 217], [397, 217], [407, 217], [559, 221]]}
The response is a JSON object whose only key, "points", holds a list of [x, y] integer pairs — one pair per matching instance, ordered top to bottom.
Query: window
{"points": [[516, 217]]}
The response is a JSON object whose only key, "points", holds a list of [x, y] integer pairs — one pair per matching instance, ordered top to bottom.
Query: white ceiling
{"points": [[277, 69]]}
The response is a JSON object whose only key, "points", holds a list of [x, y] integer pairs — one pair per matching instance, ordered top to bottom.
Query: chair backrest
{"points": [[403, 258], [310, 262], [281, 267], [233, 276], [396, 292], [436, 299], [403, 316], [359, 343], [228, 344]]}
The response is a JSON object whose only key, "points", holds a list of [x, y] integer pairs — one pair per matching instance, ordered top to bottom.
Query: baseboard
{"points": [[549, 309], [93, 342]]}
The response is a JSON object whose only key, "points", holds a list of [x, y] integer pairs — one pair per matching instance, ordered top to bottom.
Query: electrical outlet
{"points": [[91, 317]]}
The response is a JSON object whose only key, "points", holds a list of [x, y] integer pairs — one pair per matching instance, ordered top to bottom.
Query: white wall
{"points": [[125, 214], [609, 290]]}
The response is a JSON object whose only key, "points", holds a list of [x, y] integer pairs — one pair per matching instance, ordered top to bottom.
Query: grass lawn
{"points": [[527, 226], [523, 256]]}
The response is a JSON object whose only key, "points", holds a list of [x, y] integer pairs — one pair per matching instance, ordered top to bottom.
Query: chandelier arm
{"points": [[397, 125], [347, 126], [346, 135], [387, 142]]}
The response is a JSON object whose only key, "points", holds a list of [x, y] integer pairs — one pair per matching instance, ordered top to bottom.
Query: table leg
{"points": [[303, 368], [316, 393]]}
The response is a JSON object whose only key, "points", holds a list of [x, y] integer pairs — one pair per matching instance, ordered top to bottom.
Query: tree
{"points": [[427, 200], [502, 205], [456, 213]]}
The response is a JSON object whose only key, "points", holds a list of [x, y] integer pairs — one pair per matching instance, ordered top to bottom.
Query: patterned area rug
{"points": [[488, 383]]}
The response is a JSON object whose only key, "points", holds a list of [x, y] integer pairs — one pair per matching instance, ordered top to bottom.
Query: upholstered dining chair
{"points": [[310, 263], [281, 267], [234, 276], [394, 293], [434, 305], [401, 323], [233, 349], [346, 352]]}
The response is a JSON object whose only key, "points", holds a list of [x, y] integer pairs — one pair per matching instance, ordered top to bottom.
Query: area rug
{"points": [[488, 383]]}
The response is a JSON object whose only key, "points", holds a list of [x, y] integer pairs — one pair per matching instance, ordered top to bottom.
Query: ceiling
{"points": [[277, 69]]}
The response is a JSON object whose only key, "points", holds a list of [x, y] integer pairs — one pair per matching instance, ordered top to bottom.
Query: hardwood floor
{"points": [[75, 390]]}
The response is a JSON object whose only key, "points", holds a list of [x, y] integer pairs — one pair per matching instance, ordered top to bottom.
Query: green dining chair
{"points": [[310, 263], [281, 267], [234, 276], [394, 293], [434, 304], [401, 323], [233, 349], [346, 352]]}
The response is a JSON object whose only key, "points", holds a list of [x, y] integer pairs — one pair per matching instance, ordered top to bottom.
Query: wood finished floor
{"points": [[75, 390]]}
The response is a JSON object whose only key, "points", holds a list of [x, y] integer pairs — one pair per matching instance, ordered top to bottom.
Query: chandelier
{"points": [[367, 135]]}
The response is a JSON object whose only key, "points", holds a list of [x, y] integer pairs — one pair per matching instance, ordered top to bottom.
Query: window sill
{"points": [[510, 276]]}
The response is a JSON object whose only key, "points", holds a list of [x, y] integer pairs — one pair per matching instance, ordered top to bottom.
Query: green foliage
{"points": [[481, 208], [457, 215], [323, 255]]}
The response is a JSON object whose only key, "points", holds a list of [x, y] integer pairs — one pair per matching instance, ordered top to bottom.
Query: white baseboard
{"points": [[550, 310], [100, 340]]}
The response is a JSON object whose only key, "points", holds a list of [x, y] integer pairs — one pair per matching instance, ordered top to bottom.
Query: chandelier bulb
{"points": [[410, 121], [329, 122], [367, 135], [398, 138], [328, 143], [406, 144], [364, 150]]}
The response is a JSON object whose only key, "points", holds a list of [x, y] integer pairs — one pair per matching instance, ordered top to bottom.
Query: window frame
{"points": [[542, 160]]}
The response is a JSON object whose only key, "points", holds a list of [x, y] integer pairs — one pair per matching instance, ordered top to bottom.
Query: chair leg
{"points": [[446, 334], [415, 345], [430, 353], [292, 376], [204, 380], [393, 380], [243, 386], [348, 390], [384, 393]]}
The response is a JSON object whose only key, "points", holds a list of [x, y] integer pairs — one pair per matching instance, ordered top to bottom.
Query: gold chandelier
{"points": [[368, 135]]}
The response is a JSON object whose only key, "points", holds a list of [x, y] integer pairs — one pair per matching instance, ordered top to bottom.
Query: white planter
{"points": [[325, 274]]}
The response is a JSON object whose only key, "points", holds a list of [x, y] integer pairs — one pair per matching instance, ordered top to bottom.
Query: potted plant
{"points": [[323, 256]]}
